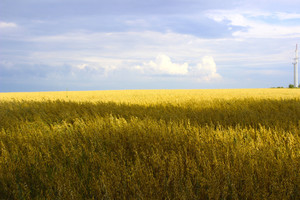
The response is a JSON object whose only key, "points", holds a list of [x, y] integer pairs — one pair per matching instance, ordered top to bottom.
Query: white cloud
{"points": [[286, 16], [256, 23], [4, 25], [132, 52], [164, 65], [82, 66], [96, 68], [206, 70]]}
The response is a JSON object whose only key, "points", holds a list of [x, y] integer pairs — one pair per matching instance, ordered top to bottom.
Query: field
{"points": [[150, 144]]}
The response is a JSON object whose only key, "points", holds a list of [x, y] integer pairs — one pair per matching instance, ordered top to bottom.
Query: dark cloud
{"points": [[57, 9], [32, 70]]}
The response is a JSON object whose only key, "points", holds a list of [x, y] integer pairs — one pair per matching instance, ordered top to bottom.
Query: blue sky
{"points": [[57, 45]]}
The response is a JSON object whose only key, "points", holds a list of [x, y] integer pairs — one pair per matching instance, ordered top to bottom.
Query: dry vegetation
{"points": [[156, 144]]}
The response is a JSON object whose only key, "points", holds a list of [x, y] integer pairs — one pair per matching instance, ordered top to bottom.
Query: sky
{"points": [[59, 45]]}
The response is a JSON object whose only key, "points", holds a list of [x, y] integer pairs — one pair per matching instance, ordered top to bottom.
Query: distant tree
{"points": [[291, 86]]}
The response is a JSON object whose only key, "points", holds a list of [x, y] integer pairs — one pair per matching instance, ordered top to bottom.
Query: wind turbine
{"points": [[296, 67]]}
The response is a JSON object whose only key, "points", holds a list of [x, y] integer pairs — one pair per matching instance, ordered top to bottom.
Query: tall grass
{"points": [[243, 148]]}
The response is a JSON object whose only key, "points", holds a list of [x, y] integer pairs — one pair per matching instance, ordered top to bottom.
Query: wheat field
{"points": [[150, 144]]}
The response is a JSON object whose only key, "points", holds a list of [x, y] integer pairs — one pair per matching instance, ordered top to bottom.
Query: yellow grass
{"points": [[154, 96], [150, 144]]}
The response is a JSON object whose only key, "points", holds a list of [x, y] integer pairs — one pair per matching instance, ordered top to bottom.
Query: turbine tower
{"points": [[296, 67]]}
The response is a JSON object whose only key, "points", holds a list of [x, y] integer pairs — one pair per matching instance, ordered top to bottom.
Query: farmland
{"points": [[150, 144]]}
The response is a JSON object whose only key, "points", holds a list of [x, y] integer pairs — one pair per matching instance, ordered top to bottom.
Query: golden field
{"points": [[153, 96], [150, 144]]}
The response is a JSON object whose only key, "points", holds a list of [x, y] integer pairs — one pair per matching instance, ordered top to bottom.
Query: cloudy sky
{"points": [[52, 45]]}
